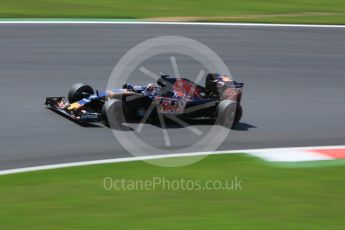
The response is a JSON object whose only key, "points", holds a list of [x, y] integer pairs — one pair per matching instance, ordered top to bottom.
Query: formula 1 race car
{"points": [[219, 99]]}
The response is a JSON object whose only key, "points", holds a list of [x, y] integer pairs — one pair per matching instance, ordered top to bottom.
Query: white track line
{"points": [[29, 21], [254, 152]]}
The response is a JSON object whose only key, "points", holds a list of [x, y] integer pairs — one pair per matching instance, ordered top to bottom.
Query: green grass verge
{"points": [[288, 11], [271, 197]]}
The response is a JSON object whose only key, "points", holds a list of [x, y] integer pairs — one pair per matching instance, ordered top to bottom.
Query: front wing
{"points": [[60, 105]]}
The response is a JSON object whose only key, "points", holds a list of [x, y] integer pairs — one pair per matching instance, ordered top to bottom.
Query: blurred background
{"points": [[294, 96]]}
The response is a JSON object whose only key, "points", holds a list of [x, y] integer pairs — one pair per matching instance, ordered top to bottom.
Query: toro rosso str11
{"points": [[219, 99]]}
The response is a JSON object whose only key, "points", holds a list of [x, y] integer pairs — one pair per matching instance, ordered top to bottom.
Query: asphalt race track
{"points": [[294, 86]]}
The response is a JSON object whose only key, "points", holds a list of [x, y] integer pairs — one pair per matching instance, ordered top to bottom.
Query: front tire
{"points": [[79, 91], [113, 113]]}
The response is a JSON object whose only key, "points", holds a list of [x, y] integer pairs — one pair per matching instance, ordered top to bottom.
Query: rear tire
{"points": [[79, 91], [227, 113], [238, 115]]}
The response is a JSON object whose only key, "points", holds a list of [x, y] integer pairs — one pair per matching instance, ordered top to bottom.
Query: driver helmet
{"points": [[152, 88]]}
